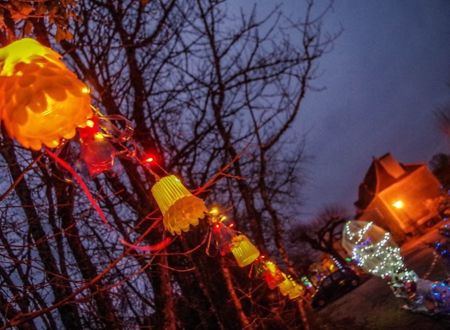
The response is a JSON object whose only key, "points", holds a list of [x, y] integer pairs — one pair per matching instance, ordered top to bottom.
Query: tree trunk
{"points": [[60, 285], [105, 309]]}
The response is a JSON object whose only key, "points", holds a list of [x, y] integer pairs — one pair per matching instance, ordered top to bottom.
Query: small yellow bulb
{"points": [[85, 90], [90, 123], [99, 136], [398, 204], [214, 211]]}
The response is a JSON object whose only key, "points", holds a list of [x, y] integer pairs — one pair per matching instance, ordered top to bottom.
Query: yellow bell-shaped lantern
{"points": [[41, 101], [179, 207], [243, 250], [290, 288], [296, 291]]}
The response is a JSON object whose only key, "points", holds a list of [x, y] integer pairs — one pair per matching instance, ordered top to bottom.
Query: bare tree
{"points": [[212, 96], [440, 166], [324, 231]]}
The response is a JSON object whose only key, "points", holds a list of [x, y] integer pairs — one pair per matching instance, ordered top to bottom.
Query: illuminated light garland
{"points": [[42, 103], [352, 235], [229, 240], [373, 249], [376, 252], [379, 258], [290, 288], [441, 293]]}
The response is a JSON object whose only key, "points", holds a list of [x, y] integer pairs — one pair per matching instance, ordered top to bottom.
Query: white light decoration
{"points": [[375, 251]]}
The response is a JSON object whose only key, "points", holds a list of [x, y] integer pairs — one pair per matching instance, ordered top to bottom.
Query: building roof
{"points": [[382, 173]]}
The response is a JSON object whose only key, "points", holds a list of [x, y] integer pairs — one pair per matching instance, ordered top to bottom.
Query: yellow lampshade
{"points": [[41, 101], [179, 207], [243, 250], [290, 288], [296, 291]]}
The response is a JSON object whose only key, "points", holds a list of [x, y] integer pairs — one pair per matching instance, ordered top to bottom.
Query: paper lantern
{"points": [[41, 101], [179, 207], [243, 250], [290, 288]]}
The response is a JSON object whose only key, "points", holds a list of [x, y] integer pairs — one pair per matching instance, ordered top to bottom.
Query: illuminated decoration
{"points": [[41, 101], [96, 151], [398, 204], [179, 207], [215, 216], [223, 237], [228, 240], [372, 248], [243, 250], [375, 252], [270, 272], [306, 282], [290, 288], [441, 294]]}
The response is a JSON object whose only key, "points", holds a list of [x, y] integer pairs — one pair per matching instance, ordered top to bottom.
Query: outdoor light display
{"points": [[41, 101], [96, 151], [179, 207], [223, 237], [229, 240], [372, 248], [243, 250], [375, 251], [271, 274], [290, 288], [440, 292]]}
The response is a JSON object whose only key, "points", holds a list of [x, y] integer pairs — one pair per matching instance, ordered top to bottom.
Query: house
{"points": [[398, 197]]}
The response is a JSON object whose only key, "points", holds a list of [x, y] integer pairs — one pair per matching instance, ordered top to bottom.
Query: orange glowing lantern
{"points": [[41, 101], [179, 207], [243, 250], [290, 288]]}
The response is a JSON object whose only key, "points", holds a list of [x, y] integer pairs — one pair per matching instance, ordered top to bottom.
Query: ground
{"points": [[373, 306]]}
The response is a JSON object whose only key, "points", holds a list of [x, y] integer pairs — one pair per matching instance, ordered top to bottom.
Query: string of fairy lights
{"points": [[48, 106], [373, 249], [387, 258]]}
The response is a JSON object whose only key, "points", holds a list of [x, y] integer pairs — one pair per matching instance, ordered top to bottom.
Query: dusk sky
{"points": [[387, 73]]}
